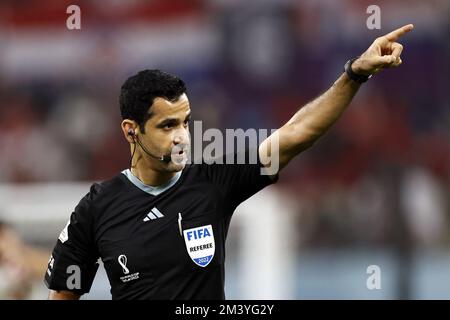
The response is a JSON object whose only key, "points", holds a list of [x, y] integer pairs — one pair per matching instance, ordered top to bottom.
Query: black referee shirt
{"points": [[168, 246]]}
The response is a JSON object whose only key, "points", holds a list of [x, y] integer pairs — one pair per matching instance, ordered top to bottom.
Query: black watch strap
{"points": [[352, 75]]}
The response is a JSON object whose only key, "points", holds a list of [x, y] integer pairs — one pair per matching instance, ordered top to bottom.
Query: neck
{"points": [[149, 176]]}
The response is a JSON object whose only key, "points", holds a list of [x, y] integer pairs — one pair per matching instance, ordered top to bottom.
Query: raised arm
{"points": [[316, 117]]}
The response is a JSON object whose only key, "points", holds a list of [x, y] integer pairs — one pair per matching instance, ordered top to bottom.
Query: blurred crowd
{"points": [[380, 177]]}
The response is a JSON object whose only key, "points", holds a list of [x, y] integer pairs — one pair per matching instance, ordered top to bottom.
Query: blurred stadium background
{"points": [[374, 191]]}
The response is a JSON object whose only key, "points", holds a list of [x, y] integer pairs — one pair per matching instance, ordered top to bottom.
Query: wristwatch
{"points": [[354, 76]]}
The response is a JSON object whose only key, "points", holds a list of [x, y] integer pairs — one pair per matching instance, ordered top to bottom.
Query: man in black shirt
{"points": [[160, 227]]}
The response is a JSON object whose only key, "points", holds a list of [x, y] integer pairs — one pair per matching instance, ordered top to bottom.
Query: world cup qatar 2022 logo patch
{"points": [[200, 244]]}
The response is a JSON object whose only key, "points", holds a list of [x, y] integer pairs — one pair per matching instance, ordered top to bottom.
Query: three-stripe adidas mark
{"points": [[153, 214]]}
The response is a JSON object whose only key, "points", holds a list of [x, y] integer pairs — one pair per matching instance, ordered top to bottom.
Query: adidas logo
{"points": [[153, 214]]}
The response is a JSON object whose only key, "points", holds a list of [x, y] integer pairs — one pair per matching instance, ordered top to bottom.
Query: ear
{"points": [[128, 125]]}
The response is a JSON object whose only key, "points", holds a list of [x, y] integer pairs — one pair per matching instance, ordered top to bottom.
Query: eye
{"points": [[168, 126]]}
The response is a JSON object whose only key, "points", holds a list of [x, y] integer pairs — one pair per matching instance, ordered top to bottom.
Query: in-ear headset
{"points": [[164, 158]]}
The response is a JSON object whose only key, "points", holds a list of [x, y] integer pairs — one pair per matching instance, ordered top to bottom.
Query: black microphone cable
{"points": [[132, 154]]}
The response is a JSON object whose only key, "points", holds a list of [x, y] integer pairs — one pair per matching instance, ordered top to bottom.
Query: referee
{"points": [[160, 227]]}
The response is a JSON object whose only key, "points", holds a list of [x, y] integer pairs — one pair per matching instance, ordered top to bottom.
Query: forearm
{"points": [[316, 117], [62, 295]]}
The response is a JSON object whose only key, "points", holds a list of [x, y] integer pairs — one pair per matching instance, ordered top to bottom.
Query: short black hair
{"points": [[139, 91]]}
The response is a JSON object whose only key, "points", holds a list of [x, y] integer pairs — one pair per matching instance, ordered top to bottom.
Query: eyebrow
{"points": [[173, 120]]}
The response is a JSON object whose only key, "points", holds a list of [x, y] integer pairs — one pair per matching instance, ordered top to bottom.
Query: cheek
{"points": [[157, 138], [162, 139]]}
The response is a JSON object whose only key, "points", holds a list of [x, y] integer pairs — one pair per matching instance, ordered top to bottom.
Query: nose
{"points": [[181, 136], [177, 140]]}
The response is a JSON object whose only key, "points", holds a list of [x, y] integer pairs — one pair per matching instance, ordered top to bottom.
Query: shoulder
{"points": [[105, 188], [102, 192]]}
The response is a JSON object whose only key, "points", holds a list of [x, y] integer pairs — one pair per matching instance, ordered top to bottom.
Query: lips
{"points": [[179, 154]]}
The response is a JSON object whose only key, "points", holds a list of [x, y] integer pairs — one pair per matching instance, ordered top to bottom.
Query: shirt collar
{"points": [[151, 189]]}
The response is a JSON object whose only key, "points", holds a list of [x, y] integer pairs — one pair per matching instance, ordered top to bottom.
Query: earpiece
{"points": [[164, 158]]}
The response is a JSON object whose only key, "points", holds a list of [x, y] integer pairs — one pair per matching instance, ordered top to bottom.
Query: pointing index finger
{"points": [[394, 35]]}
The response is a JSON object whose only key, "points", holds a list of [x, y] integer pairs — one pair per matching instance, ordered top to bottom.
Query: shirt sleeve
{"points": [[236, 181], [73, 263]]}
